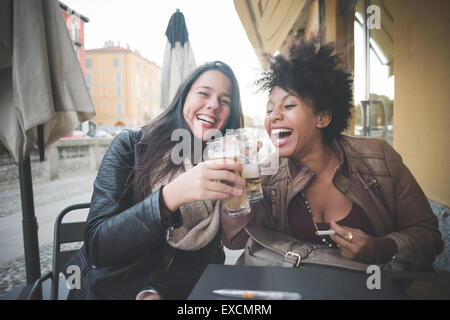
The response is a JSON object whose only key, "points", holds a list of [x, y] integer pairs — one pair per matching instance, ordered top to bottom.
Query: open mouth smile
{"points": [[210, 121], [280, 136]]}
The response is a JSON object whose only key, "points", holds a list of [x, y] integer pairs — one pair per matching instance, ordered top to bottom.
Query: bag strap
{"points": [[291, 249], [294, 250]]}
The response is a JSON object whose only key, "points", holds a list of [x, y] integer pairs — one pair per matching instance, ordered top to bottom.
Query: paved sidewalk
{"points": [[46, 193], [49, 198]]}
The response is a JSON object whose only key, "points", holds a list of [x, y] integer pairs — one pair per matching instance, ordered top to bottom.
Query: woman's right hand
{"points": [[204, 182]]}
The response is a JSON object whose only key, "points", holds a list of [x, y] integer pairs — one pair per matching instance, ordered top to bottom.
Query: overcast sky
{"points": [[215, 33]]}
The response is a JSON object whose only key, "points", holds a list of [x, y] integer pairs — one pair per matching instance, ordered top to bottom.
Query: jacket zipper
{"points": [[169, 234], [165, 263], [169, 263]]}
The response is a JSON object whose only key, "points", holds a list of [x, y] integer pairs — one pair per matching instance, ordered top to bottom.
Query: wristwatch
{"points": [[169, 219]]}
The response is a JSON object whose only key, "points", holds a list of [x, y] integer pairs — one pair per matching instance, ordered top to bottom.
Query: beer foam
{"points": [[227, 147], [224, 154], [250, 171]]}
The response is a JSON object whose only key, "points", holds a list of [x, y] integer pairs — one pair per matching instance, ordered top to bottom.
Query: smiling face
{"points": [[208, 104], [292, 124]]}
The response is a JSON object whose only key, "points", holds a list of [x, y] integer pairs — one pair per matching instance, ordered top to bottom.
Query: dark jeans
{"points": [[179, 280]]}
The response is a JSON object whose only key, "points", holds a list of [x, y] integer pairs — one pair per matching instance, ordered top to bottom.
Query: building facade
{"points": [[75, 25], [124, 87]]}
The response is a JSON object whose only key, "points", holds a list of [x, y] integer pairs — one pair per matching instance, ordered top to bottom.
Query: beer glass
{"points": [[230, 147], [268, 157], [250, 170]]}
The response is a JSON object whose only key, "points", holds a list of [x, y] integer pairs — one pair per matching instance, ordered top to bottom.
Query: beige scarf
{"points": [[201, 219]]}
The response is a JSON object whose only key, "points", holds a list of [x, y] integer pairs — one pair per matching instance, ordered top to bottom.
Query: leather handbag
{"points": [[271, 248]]}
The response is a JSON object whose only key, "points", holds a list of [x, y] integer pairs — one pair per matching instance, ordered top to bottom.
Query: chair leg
{"points": [[37, 287]]}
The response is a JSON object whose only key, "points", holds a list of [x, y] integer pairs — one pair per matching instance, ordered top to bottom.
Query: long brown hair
{"points": [[156, 141]]}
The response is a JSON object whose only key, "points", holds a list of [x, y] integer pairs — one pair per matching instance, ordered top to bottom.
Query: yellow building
{"points": [[124, 87]]}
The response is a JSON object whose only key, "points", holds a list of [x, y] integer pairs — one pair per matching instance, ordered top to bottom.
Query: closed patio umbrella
{"points": [[179, 59], [41, 86]]}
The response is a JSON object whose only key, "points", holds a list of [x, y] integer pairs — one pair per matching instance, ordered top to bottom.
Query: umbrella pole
{"points": [[40, 132], [29, 224]]}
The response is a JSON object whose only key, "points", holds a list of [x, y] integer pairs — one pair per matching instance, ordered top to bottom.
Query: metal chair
{"points": [[64, 233]]}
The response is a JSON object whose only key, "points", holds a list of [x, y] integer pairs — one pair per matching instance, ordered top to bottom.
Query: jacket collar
{"points": [[294, 168], [344, 172], [300, 175]]}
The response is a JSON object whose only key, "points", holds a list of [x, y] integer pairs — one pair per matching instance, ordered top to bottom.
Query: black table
{"points": [[316, 282]]}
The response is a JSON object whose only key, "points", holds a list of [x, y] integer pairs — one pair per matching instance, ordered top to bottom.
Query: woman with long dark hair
{"points": [[153, 225]]}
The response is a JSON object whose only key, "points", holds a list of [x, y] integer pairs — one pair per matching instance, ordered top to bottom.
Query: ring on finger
{"points": [[349, 236]]}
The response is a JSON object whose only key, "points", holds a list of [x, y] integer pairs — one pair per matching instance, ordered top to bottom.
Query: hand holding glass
{"points": [[230, 147], [250, 170]]}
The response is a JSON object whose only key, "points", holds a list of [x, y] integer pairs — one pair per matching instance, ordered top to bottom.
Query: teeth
{"points": [[207, 119], [280, 130]]}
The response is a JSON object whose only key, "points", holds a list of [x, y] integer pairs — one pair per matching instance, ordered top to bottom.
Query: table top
{"points": [[312, 282]]}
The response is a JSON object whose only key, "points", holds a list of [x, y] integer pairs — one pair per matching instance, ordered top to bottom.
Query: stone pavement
{"points": [[46, 193], [49, 198]]}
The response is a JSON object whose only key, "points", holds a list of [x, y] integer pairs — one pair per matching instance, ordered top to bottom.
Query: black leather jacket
{"points": [[125, 250]]}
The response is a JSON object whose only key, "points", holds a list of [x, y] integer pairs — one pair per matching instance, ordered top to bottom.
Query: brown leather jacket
{"points": [[371, 174]]}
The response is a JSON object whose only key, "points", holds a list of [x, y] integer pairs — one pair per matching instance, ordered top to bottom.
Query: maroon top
{"points": [[302, 227]]}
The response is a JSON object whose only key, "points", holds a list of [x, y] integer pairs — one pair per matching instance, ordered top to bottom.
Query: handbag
{"points": [[266, 247]]}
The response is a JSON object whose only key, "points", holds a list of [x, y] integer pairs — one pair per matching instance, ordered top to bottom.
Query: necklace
{"points": [[324, 238]]}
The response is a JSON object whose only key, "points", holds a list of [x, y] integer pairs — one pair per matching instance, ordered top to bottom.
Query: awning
{"points": [[268, 23]]}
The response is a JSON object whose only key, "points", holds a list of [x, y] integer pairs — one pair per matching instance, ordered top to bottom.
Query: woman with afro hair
{"points": [[356, 187]]}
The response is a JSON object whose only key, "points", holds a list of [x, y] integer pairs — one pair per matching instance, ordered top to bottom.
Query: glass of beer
{"points": [[230, 147], [268, 157], [250, 170], [250, 173]]}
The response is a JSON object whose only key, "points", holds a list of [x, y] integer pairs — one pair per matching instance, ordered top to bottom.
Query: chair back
{"points": [[64, 233]]}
